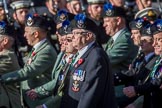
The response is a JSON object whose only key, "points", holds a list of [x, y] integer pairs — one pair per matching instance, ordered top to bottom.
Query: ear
{"points": [[89, 9], [14, 16], [118, 20], [36, 34], [5, 41]]}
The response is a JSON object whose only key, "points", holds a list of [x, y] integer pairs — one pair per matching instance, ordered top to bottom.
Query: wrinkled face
{"points": [[146, 3], [75, 7], [95, 11], [2, 14], [20, 15], [110, 25], [29, 35], [136, 36], [79, 38], [62, 41], [157, 43], [69, 44], [146, 44]]}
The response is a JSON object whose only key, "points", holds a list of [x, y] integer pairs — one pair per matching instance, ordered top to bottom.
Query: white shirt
{"points": [[117, 34], [37, 45]]}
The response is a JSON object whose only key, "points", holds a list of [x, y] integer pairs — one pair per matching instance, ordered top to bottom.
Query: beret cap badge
{"points": [[108, 8], [62, 14], [30, 20], [80, 21], [139, 23], [65, 25], [2, 27]]}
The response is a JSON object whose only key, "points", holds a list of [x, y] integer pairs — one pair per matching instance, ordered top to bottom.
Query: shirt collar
{"points": [[117, 34], [37, 45], [83, 50], [148, 56]]}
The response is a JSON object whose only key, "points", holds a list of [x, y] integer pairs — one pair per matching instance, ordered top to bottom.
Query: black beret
{"points": [[113, 11], [63, 15], [37, 21], [81, 22], [138, 23], [156, 27], [65, 28], [146, 31]]}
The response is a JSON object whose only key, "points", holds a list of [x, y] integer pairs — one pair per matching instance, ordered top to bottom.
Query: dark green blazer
{"points": [[122, 52], [9, 62], [35, 74]]}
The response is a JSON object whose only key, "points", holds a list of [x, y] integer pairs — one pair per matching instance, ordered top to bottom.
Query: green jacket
{"points": [[122, 52], [35, 74], [47, 89], [9, 92]]}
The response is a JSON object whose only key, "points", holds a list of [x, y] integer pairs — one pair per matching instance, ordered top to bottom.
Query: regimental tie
{"points": [[109, 44], [30, 53], [158, 61]]}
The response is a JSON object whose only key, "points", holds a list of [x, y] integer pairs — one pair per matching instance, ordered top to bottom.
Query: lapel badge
{"points": [[75, 86]]}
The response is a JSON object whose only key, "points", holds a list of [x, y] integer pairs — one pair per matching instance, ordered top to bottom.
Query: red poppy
{"points": [[33, 54], [80, 61]]}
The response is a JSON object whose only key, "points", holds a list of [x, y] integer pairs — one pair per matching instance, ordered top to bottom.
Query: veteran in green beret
{"points": [[120, 47], [39, 65], [53, 88]]}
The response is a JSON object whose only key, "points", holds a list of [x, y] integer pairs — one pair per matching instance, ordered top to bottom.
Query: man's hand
{"points": [[129, 91], [32, 94]]}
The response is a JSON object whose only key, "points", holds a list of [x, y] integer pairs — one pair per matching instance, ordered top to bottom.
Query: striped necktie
{"points": [[158, 61]]}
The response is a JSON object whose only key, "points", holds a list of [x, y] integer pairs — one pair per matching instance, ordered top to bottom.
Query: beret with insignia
{"points": [[21, 4], [113, 11], [63, 15], [36, 20], [80, 21], [138, 23], [156, 27], [65, 28], [146, 31]]}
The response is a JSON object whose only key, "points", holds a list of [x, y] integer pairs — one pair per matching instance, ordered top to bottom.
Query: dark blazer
{"points": [[90, 84], [152, 93]]}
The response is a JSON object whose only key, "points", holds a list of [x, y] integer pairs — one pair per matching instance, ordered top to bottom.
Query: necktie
{"points": [[109, 44], [30, 53], [158, 61]]}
